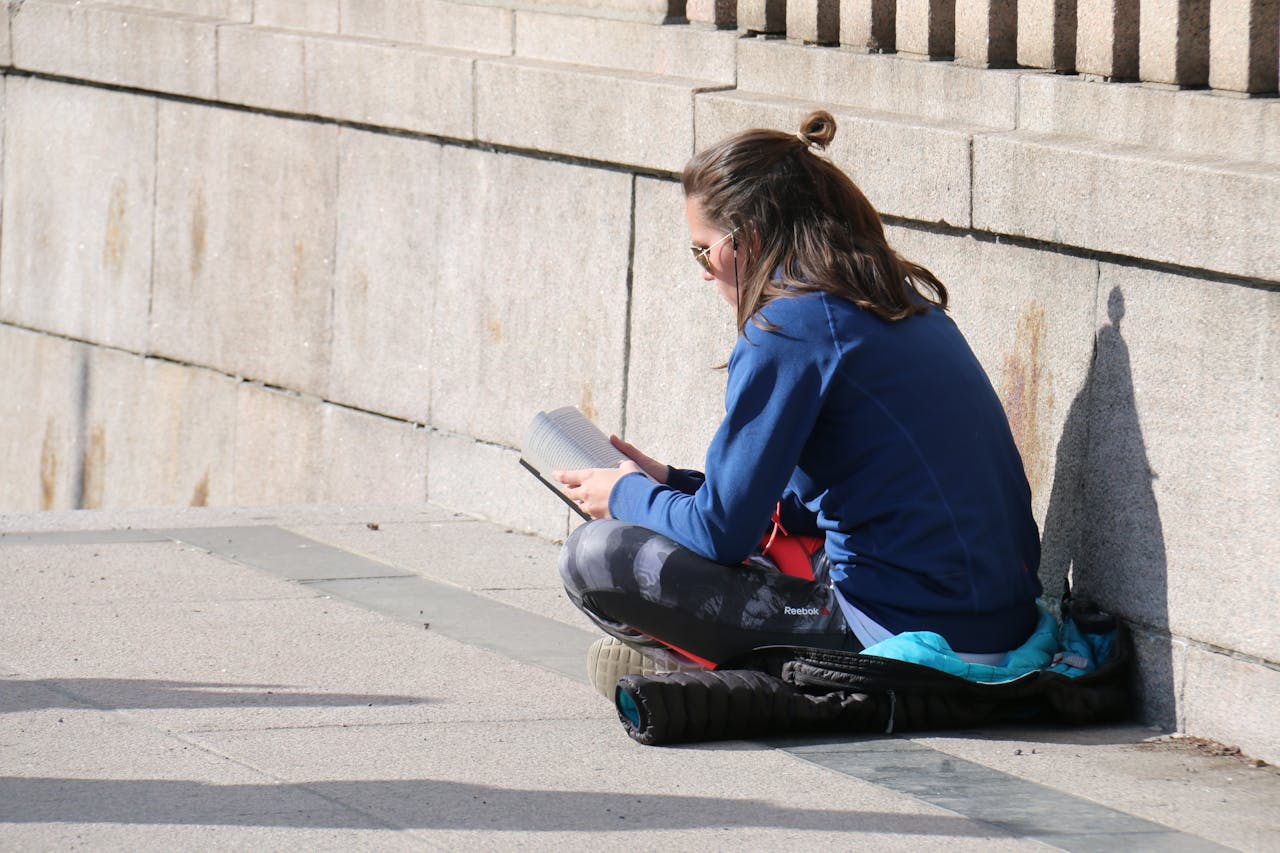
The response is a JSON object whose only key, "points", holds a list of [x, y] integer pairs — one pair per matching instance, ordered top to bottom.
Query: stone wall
{"points": [[260, 251]]}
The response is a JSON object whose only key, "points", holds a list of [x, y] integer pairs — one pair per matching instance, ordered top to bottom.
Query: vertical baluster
{"points": [[722, 14], [762, 16], [814, 21], [868, 25], [927, 28], [987, 33], [1047, 34], [1107, 38], [1173, 42], [1243, 45]]}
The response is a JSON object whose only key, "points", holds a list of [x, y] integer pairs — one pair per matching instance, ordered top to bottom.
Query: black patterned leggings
{"points": [[650, 592]]}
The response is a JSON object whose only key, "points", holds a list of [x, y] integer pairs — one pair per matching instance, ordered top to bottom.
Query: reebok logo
{"points": [[805, 611]]}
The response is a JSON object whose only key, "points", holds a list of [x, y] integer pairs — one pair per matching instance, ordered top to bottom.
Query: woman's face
{"points": [[721, 256]]}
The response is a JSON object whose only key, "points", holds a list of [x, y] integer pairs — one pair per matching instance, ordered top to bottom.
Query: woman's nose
{"points": [[706, 276]]}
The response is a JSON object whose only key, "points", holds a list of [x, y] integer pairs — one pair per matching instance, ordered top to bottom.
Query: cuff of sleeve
{"points": [[684, 480], [629, 492]]}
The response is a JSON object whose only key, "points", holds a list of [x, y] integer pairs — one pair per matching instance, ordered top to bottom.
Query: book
{"points": [[564, 440]]}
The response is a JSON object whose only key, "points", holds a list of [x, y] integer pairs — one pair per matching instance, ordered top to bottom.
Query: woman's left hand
{"points": [[590, 488]]}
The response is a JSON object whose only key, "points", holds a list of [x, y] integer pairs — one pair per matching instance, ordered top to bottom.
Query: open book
{"points": [[564, 440]]}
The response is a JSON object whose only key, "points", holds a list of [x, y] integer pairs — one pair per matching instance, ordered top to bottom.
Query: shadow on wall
{"points": [[1102, 531]]}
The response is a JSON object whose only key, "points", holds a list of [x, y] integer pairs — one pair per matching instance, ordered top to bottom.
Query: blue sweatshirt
{"points": [[889, 439]]}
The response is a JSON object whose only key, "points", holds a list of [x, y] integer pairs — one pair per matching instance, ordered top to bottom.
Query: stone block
{"points": [[229, 10], [646, 11], [717, 13], [321, 16], [759, 17], [813, 21], [441, 23], [868, 25], [927, 28], [987, 33], [1047, 34], [1107, 38], [1243, 39], [1173, 42], [6, 49], [161, 51], [673, 51], [262, 67], [427, 90], [935, 90], [616, 116], [1200, 123], [877, 151], [78, 199], [1129, 201], [385, 279], [244, 282], [1028, 315], [533, 317], [675, 394], [42, 421], [156, 434], [280, 450], [373, 460], [1183, 470], [488, 481], [1231, 701]]}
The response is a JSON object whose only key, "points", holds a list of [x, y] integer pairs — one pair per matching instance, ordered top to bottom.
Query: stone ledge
{"points": [[434, 23], [160, 51], [676, 51], [838, 77], [426, 90], [640, 120], [1201, 123], [876, 149], [1129, 201]]}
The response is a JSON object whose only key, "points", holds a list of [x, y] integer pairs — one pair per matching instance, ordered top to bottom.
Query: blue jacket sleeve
{"points": [[775, 391]]}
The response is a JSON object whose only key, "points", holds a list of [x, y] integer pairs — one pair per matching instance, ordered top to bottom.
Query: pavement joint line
{"points": [[982, 794]]}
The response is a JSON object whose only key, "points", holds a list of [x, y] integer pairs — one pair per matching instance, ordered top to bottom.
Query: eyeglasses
{"points": [[703, 256]]}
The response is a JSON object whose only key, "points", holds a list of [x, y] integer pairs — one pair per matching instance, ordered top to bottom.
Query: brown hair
{"points": [[806, 219]]}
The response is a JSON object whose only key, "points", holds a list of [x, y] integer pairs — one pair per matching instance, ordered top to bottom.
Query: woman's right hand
{"points": [[655, 469]]}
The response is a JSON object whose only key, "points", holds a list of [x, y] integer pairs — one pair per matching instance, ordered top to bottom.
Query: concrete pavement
{"points": [[409, 678]]}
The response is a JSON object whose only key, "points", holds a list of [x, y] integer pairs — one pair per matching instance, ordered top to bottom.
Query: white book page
{"points": [[564, 440]]}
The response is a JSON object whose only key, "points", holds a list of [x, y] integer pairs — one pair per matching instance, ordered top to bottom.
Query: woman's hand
{"points": [[655, 469], [589, 488]]}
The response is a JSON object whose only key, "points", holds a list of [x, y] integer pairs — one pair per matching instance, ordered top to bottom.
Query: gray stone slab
{"points": [[231, 10], [314, 15], [814, 21], [868, 25], [927, 28], [487, 29], [986, 33], [1047, 34], [1107, 38], [1243, 38], [6, 45], [149, 49], [690, 52], [262, 67], [427, 90], [940, 91], [574, 110], [1130, 114], [876, 150], [1129, 201], [77, 231], [386, 274], [244, 285], [527, 318], [675, 395], [41, 433], [279, 448], [373, 459], [510, 494], [347, 515], [79, 537], [1160, 542], [282, 553], [1222, 699], [1129, 765], [989, 797]]}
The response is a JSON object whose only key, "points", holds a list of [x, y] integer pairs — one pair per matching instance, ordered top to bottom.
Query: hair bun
{"points": [[818, 129]]}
